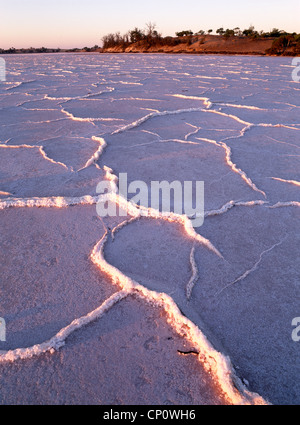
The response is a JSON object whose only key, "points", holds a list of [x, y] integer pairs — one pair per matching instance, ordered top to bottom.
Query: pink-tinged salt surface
{"points": [[145, 309]]}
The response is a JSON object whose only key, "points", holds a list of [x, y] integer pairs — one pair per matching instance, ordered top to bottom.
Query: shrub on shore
{"points": [[284, 43]]}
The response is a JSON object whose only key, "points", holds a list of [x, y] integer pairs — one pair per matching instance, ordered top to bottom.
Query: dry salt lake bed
{"points": [[144, 308]]}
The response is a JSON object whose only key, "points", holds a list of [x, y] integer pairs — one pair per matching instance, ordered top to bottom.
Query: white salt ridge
{"points": [[211, 78], [129, 83], [20, 84], [57, 98], [135, 98], [205, 100], [209, 104], [234, 105], [233, 117], [73, 118], [140, 121], [34, 122], [192, 133], [185, 142], [40, 149], [94, 158], [232, 165], [239, 171], [293, 182], [47, 202], [63, 202], [286, 204], [229, 205], [121, 225], [58, 340]]}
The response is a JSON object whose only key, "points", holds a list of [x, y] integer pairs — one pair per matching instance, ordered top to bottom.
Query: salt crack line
{"points": [[19, 84], [87, 96], [135, 98], [205, 100], [209, 104], [235, 105], [233, 117], [73, 118], [89, 120], [239, 120], [140, 121], [33, 122], [247, 125], [288, 126], [197, 129], [153, 133], [241, 134], [6, 142], [184, 142], [285, 143], [41, 150], [94, 158], [233, 166], [239, 171], [293, 182], [47, 202], [63, 202], [285, 204], [229, 205], [121, 225], [255, 266], [195, 276], [56, 342]]}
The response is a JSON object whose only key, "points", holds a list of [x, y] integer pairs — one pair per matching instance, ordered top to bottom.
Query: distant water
{"points": [[69, 121]]}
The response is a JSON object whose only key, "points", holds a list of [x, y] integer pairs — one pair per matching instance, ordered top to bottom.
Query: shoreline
{"points": [[153, 53]]}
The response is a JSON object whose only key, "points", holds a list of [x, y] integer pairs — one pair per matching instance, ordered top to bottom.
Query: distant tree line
{"points": [[237, 32], [150, 37], [30, 50], [47, 50]]}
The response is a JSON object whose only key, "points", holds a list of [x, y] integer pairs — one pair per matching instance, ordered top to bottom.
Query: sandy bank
{"points": [[201, 44]]}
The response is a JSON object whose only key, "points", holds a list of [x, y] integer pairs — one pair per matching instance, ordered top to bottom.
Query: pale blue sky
{"points": [[79, 23]]}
